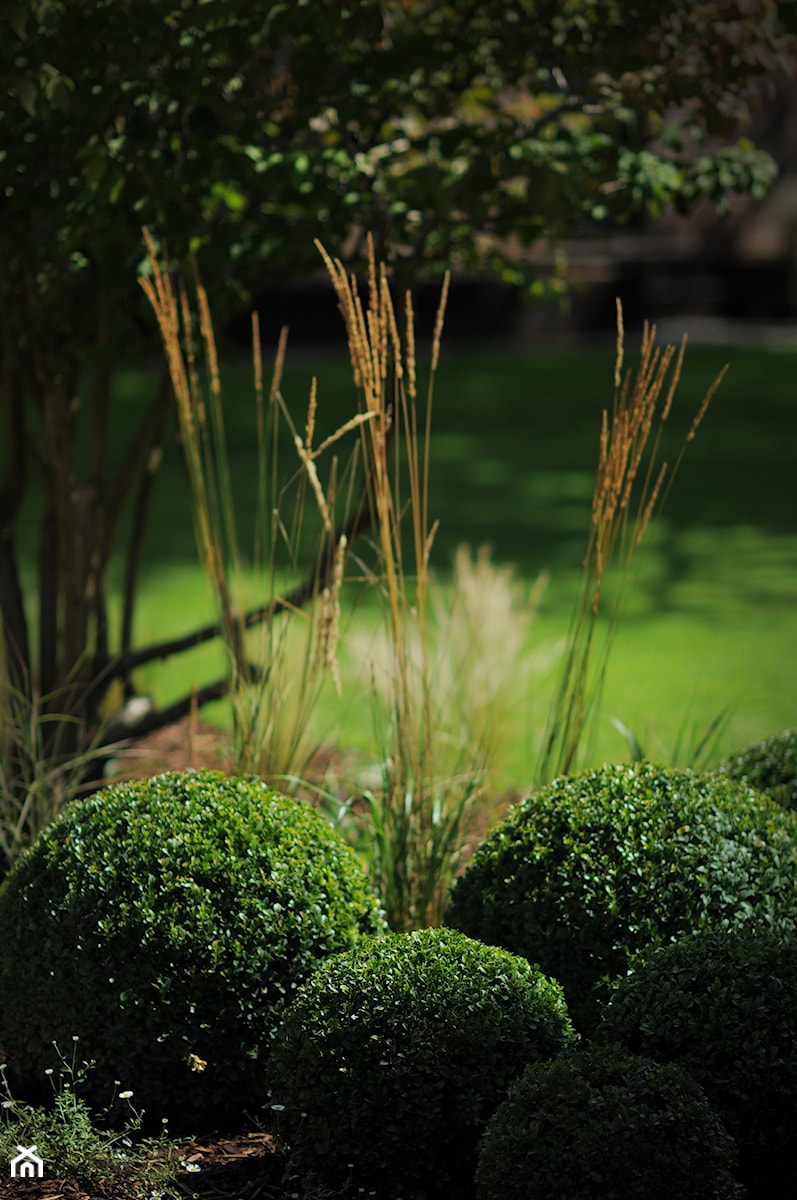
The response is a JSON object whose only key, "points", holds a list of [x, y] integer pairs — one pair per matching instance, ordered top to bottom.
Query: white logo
{"points": [[27, 1164]]}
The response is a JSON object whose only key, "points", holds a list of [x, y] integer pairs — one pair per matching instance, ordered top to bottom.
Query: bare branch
{"points": [[130, 660], [157, 719]]}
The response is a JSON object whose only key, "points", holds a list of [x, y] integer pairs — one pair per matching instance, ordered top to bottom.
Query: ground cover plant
{"points": [[588, 871], [179, 913], [723, 1005], [393, 1056], [603, 1122], [67, 1138]]}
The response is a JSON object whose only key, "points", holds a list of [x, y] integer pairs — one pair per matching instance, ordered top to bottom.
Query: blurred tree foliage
{"points": [[240, 130]]}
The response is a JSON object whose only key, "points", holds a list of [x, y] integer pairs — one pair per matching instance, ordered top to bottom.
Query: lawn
{"points": [[710, 621]]}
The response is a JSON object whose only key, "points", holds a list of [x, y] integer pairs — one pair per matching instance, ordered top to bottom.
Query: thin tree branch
{"points": [[129, 661], [157, 719]]}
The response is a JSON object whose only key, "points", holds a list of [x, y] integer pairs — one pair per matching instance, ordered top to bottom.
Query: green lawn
{"points": [[712, 618]]}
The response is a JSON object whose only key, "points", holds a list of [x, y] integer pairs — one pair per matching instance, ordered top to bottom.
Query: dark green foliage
{"points": [[770, 766], [589, 871], [166, 918], [724, 1006], [394, 1055], [599, 1123]]}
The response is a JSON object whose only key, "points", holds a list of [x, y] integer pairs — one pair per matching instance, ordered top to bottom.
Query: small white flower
{"points": [[48, 1071], [125, 1095], [7, 1104], [278, 1107], [190, 1166]]}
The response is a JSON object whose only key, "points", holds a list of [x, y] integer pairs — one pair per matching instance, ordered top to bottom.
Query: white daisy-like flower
{"points": [[125, 1095], [191, 1166]]}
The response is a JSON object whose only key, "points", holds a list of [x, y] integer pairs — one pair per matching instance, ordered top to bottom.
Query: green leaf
{"points": [[26, 91]]}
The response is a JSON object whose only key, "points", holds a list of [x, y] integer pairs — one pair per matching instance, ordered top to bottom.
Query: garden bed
{"points": [[245, 1166]]}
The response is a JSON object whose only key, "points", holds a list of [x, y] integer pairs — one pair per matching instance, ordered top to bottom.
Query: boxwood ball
{"points": [[167, 923]]}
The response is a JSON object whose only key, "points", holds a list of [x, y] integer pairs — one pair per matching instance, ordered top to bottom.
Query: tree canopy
{"points": [[248, 128]]}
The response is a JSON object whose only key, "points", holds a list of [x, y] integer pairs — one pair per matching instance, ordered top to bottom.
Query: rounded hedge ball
{"points": [[769, 766], [595, 867], [166, 924], [723, 1005], [393, 1056], [603, 1123]]}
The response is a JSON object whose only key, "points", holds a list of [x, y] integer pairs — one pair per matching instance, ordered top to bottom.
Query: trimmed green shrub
{"points": [[769, 766], [593, 868], [167, 924], [724, 1006], [393, 1056], [602, 1123]]}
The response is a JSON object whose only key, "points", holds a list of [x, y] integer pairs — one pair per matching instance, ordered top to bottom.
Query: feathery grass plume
{"points": [[629, 483], [480, 664], [277, 665], [418, 812]]}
